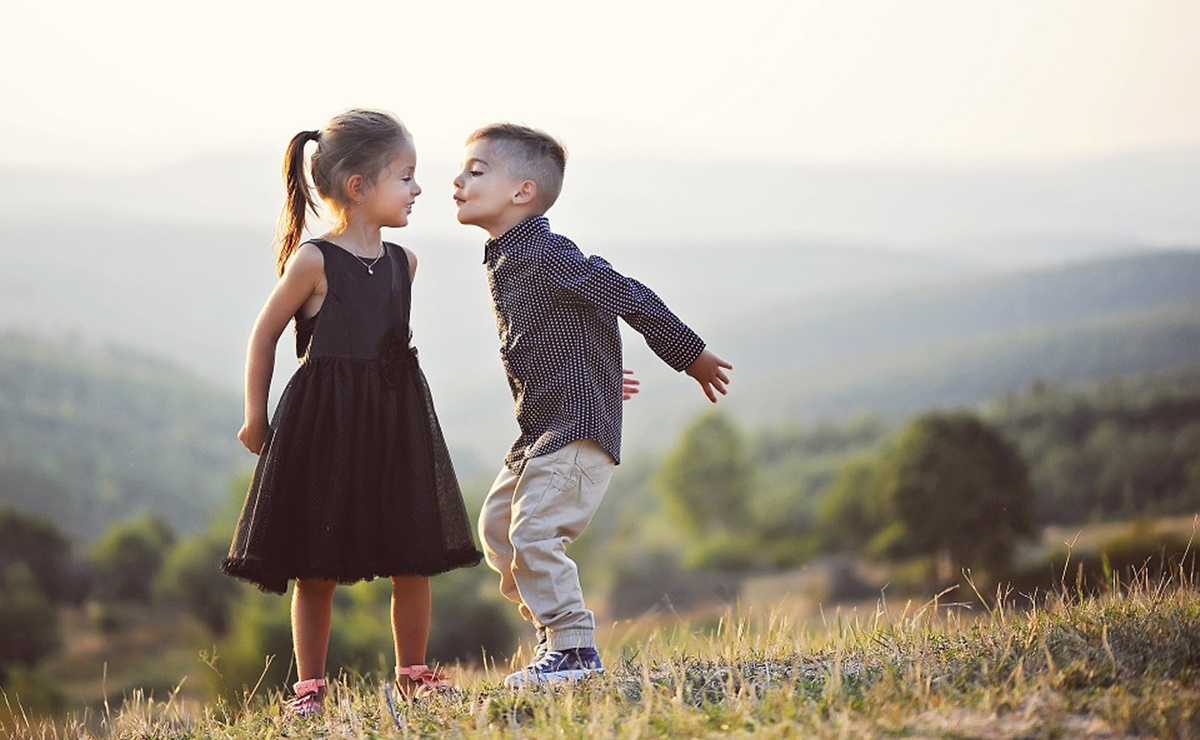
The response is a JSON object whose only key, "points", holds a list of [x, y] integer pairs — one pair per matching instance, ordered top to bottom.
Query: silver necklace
{"points": [[370, 265]]}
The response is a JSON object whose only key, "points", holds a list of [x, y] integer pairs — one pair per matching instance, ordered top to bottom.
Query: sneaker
{"points": [[543, 645], [557, 665]]}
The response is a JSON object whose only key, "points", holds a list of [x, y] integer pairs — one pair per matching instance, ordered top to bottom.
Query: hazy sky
{"points": [[136, 83]]}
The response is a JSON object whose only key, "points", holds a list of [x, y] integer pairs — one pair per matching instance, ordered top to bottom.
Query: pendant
{"points": [[370, 271]]}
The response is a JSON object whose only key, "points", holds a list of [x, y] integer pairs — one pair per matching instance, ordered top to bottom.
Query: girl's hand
{"points": [[709, 372], [629, 386], [253, 436]]}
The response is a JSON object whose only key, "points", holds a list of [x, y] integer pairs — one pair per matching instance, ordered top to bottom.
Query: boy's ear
{"points": [[526, 194]]}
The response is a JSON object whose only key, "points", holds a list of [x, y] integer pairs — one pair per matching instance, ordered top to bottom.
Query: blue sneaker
{"points": [[557, 665]]}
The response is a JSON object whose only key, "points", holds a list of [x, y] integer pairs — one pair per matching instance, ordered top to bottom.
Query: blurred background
{"points": [[951, 249]]}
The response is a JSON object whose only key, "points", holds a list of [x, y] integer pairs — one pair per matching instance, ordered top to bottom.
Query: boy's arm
{"points": [[592, 279]]}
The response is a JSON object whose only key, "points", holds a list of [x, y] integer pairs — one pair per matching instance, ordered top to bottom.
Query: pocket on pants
{"points": [[594, 466], [595, 474]]}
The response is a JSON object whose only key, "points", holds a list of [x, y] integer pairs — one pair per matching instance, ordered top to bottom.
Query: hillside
{"points": [[832, 288], [189, 291], [830, 331], [899, 351], [90, 435], [1119, 665]]}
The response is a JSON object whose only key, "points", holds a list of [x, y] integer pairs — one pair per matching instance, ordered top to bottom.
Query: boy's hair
{"points": [[355, 142], [531, 154]]}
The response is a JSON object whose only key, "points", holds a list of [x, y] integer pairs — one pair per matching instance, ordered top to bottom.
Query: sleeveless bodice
{"points": [[359, 307]]}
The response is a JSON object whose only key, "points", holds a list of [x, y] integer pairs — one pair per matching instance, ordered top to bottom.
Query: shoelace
{"points": [[551, 659]]}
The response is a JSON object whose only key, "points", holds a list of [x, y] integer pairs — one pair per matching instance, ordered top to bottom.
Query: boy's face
{"points": [[486, 192]]}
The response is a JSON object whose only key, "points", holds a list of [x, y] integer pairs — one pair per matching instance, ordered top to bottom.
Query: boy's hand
{"points": [[709, 372], [629, 386]]}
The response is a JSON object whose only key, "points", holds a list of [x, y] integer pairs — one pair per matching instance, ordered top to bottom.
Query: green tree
{"points": [[706, 480], [958, 489], [854, 508], [44, 550], [128, 557], [191, 576], [28, 621]]}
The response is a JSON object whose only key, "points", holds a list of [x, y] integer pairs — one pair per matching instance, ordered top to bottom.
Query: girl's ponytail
{"points": [[357, 141], [299, 198]]}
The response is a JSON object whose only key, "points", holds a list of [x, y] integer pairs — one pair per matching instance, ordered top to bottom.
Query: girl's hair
{"points": [[355, 142]]}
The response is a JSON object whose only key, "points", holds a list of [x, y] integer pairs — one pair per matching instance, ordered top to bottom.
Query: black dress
{"points": [[355, 480]]}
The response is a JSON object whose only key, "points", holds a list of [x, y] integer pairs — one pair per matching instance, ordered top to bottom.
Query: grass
{"points": [[1125, 663]]}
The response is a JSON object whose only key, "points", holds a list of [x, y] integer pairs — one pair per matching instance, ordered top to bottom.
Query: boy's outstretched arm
{"points": [[709, 372]]}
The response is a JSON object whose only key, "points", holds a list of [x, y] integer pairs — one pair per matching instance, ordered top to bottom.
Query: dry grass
{"points": [[1124, 664]]}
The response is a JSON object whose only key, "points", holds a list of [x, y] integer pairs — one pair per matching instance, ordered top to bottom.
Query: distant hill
{"points": [[832, 288], [189, 292], [901, 351], [92, 432], [90, 435]]}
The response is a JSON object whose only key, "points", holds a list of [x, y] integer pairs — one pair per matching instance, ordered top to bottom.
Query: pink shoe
{"points": [[422, 682], [309, 699]]}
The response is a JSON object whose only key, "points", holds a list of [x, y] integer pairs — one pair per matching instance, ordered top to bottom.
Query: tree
{"points": [[706, 480], [959, 489], [44, 550], [128, 557], [191, 575], [28, 621]]}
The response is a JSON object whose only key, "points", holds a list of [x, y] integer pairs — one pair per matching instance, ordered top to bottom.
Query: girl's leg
{"points": [[411, 607], [312, 615]]}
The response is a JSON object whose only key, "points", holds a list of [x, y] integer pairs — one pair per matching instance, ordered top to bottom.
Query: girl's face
{"points": [[389, 200]]}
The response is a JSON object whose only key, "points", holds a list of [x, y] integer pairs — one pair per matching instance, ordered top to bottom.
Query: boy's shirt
{"points": [[556, 315]]}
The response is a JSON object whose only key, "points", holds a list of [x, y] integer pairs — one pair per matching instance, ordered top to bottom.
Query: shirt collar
{"points": [[516, 236]]}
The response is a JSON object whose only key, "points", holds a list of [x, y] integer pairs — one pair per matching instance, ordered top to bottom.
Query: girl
{"points": [[353, 479]]}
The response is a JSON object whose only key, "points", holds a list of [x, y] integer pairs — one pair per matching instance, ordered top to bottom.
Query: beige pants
{"points": [[525, 525]]}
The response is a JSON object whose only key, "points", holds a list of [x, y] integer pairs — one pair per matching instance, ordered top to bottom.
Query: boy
{"points": [[556, 314]]}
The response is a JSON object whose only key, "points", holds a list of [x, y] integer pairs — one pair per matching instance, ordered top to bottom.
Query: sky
{"points": [[128, 84]]}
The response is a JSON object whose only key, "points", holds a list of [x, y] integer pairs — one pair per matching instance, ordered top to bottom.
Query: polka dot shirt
{"points": [[556, 315]]}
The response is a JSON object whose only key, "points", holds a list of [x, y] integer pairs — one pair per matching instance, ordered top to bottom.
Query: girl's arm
{"points": [[302, 282]]}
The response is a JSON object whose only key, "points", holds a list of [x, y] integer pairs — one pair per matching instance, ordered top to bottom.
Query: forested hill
{"points": [[965, 341], [957, 342], [90, 436]]}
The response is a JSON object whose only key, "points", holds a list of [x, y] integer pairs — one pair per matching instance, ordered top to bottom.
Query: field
{"points": [[1123, 663]]}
